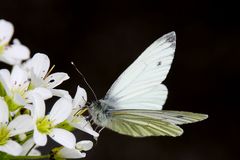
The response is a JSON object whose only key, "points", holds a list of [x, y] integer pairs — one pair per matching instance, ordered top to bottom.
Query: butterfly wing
{"points": [[140, 84], [135, 99], [174, 117], [142, 123], [141, 126]]}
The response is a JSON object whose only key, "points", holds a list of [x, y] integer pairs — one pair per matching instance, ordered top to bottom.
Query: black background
{"points": [[103, 38]]}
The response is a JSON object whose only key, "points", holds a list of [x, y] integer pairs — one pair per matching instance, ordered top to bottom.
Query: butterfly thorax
{"points": [[100, 112]]}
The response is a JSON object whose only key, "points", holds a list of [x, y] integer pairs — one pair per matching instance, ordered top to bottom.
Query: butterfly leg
{"points": [[100, 130]]}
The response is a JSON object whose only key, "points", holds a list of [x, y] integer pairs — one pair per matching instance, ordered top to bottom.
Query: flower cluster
{"points": [[24, 123]]}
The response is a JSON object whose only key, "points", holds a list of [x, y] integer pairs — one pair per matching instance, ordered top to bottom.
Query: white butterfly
{"points": [[133, 104]]}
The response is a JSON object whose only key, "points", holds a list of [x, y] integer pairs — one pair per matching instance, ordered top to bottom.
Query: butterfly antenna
{"points": [[95, 96]]}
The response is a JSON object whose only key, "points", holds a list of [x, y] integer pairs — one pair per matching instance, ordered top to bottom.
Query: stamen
{"points": [[48, 73], [80, 112]]}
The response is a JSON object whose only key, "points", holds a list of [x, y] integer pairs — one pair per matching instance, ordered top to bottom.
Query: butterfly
{"points": [[133, 104]]}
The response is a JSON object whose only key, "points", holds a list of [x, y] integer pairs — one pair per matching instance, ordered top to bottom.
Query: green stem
{"points": [[31, 149], [31, 157]]}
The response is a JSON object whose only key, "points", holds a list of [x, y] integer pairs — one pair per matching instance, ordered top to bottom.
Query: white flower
{"points": [[11, 54], [38, 68], [16, 86], [77, 120], [47, 124], [18, 125], [27, 146], [75, 152]]}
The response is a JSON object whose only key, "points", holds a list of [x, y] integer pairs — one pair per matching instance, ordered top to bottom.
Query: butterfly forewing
{"points": [[140, 83], [146, 98]]}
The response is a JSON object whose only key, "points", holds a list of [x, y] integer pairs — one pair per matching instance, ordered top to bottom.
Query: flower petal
{"points": [[6, 33], [16, 52], [9, 60], [39, 64], [19, 78], [56, 79], [5, 80], [36, 81], [43, 92], [61, 93], [80, 98], [18, 99], [38, 105], [60, 111], [4, 112], [20, 124], [83, 125], [63, 137], [39, 138], [85, 145], [27, 146], [11, 147], [70, 153]]}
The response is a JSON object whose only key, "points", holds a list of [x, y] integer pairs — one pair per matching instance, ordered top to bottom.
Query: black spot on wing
{"points": [[170, 37]]}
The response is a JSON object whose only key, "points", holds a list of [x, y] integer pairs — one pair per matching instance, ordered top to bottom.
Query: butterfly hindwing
{"points": [[174, 117], [136, 125]]}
